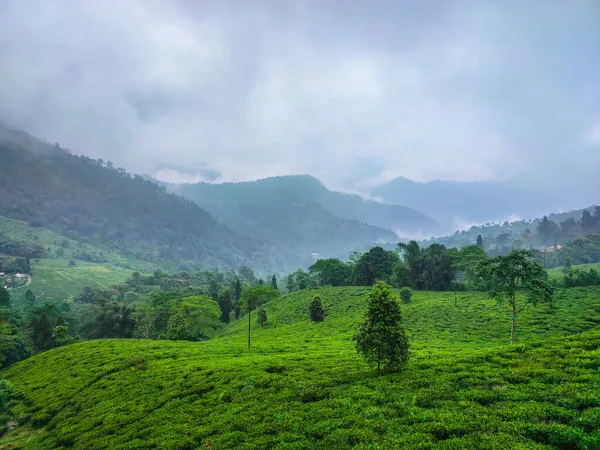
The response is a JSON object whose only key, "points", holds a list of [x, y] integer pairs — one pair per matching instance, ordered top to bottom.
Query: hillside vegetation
{"points": [[270, 193], [94, 202], [303, 386]]}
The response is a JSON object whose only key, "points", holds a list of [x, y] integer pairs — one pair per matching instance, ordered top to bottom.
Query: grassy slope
{"points": [[20, 231], [557, 273], [53, 278], [303, 386]]}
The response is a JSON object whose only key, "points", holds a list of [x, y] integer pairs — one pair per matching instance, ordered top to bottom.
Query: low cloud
{"points": [[351, 93]]}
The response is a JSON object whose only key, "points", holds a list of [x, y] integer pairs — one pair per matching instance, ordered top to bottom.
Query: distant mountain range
{"points": [[237, 200], [477, 202]]}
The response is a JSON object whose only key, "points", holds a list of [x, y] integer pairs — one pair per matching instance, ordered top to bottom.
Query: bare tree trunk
{"points": [[512, 327]]}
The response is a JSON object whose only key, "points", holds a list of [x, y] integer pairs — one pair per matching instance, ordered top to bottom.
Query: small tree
{"points": [[516, 273], [406, 294], [255, 296], [317, 313], [262, 316], [381, 337]]}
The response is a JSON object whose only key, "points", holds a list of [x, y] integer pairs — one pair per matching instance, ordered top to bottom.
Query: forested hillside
{"points": [[256, 201], [95, 203]]}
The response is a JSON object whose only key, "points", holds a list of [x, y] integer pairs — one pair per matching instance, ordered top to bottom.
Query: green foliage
{"points": [[547, 230], [468, 260], [376, 264], [430, 268], [331, 272], [515, 273], [576, 277], [260, 294], [406, 294], [4, 298], [315, 309], [262, 316], [43, 319], [194, 319], [61, 336], [381, 338], [15, 345]]}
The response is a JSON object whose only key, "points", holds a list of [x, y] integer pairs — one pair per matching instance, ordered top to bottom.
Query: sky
{"points": [[355, 93]]}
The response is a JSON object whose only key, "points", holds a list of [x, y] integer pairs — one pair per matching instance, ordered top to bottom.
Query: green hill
{"points": [[94, 202], [298, 216], [302, 386]]}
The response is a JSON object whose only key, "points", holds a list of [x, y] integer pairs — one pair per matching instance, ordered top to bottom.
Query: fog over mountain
{"points": [[355, 94]]}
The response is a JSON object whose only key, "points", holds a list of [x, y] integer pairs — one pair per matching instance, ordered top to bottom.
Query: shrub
{"points": [[406, 294], [317, 313], [262, 316]]}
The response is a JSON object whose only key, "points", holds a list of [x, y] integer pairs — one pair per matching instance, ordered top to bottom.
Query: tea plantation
{"points": [[302, 385]]}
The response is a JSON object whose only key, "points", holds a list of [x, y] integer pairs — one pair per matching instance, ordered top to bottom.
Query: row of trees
{"points": [[434, 268]]}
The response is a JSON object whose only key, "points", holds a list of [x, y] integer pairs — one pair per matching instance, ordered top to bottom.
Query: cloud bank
{"points": [[353, 93]]}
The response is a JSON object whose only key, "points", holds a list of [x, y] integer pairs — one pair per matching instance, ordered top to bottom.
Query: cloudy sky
{"points": [[353, 92]]}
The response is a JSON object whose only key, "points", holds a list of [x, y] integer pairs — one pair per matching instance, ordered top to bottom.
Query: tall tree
{"points": [[587, 221], [567, 228], [547, 230], [479, 242], [411, 253], [467, 261], [376, 264], [437, 268], [331, 272], [518, 280], [274, 283], [213, 289], [237, 290], [381, 337]]}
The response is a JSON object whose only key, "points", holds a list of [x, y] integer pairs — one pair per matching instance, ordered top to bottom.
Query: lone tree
{"points": [[518, 280], [274, 283], [256, 296], [317, 313], [262, 316], [381, 337]]}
